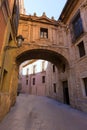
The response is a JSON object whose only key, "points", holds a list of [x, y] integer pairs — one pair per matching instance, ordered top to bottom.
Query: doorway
{"points": [[66, 92]]}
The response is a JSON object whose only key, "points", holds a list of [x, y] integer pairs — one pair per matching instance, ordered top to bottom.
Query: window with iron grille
{"points": [[77, 27]]}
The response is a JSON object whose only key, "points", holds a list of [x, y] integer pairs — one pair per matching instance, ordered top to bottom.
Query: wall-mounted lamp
{"points": [[19, 40]]}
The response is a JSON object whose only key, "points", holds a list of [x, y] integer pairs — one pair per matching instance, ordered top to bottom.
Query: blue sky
{"points": [[50, 7]]}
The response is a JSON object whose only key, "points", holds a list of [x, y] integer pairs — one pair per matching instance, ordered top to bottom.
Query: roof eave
{"points": [[68, 8]]}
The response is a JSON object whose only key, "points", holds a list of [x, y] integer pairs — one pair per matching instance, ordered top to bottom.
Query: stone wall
{"points": [[78, 65], [8, 88], [5, 104]]}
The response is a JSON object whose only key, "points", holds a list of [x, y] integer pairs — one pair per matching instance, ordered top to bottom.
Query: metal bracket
{"points": [[10, 47]]}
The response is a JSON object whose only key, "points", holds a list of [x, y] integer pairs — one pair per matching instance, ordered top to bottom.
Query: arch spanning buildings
{"points": [[62, 42]]}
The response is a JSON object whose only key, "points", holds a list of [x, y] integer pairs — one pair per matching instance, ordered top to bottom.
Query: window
{"points": [[77, 26], [43, 33], [81, 49], [53, 68], [43, 79], [33, 81], [26, 82], [54, 85], [85, 85]]}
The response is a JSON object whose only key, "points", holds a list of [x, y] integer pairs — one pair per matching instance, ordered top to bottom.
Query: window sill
{"points": [[44, 38], [79, 38], [82, 58]]}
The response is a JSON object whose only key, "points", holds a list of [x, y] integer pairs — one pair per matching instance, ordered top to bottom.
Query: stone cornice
{"points": [[42, 19]]}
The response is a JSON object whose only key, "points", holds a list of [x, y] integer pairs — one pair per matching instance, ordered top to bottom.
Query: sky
{"points": [[50, 7]]}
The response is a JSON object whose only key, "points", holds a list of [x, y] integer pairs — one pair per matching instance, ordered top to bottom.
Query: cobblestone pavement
{"points": [[41, 113]]}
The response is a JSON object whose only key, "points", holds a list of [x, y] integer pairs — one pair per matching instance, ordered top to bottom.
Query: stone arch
{"points": [[51, 54]]}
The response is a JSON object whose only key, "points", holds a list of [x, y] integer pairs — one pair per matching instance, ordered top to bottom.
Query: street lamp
{"points": [[19, 40]]}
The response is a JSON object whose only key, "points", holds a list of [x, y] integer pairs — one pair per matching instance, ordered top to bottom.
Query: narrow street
{"points": [[41, 113]]}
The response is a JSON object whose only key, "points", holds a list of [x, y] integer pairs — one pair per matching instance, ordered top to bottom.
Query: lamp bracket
{"points": [[10, 47]]}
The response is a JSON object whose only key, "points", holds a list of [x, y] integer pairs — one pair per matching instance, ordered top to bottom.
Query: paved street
{"points": [[41, 113]]}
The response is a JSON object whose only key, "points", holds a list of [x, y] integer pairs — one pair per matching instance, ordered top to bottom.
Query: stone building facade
{"points": [[9, 16], [75, 16], [32, 77], [38, 77]]}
